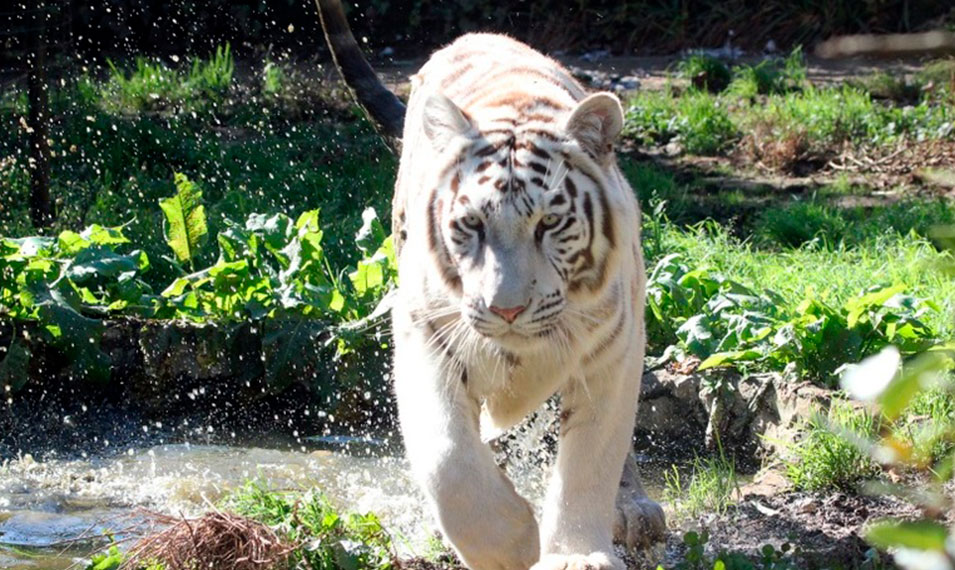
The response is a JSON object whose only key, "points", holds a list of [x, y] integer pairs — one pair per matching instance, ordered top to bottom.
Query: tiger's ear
{"points": [[443, 120], [595, 124]]}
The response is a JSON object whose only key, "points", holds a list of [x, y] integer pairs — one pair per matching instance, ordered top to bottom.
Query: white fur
{"points": [[441, 416]]}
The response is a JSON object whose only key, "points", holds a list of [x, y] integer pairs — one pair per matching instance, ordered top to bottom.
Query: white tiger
{"points": [[521, 276]]}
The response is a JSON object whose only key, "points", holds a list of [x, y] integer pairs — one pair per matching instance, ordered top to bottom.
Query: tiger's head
{"points": [[523, 221]]}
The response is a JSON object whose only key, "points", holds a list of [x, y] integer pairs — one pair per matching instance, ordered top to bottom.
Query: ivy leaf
{"points": [[185, 220]]}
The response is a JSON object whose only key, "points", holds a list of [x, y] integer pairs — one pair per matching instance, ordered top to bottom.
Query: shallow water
{"points": [[46, 505]]}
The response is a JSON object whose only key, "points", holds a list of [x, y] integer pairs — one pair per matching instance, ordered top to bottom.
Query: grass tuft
{"points": [[829, 455], [710, 488]]}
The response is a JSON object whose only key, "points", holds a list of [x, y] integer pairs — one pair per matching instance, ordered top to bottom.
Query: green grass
{"points": [[153, 86], [774, 109], [698, 121], [928, 426], [827, 456], [709, 486]]}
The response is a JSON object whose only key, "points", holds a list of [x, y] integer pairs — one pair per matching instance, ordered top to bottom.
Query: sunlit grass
{"points": [[772, 101], [828, 456], [710, 486]]}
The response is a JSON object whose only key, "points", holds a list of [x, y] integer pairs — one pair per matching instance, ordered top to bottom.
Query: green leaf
{"points": [[185, 220], [372, 234], [97, 263], [77, 336], [721, 358], [15, 366], [920, 535]]}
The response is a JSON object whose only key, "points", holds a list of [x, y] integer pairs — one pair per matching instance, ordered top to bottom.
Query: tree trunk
{"points": [[42, 211]]}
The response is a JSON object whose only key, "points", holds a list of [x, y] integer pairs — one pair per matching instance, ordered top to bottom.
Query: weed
{"points": [[704, 72], [769, 76], [273, 79], [152, 86], [700, 122], [828, 456], [711, 488], [329, 539], [695, 558]]}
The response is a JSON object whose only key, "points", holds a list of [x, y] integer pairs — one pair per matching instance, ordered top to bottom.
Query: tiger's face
{"points": [[525, 226]]}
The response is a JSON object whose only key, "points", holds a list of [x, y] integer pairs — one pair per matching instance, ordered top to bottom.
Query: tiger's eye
{"points": [[550, 220], [472, 221]]}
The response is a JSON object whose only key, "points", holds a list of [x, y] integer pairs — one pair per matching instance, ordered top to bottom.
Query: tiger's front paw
{"points": [[639, 523], [592, 561]]}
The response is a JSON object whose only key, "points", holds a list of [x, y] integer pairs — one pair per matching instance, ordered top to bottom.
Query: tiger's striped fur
{"points": [[508, 197], [521, 276]]}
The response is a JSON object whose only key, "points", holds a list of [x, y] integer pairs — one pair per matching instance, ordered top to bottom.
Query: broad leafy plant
{"points": [[271, 269], [700, 313]]}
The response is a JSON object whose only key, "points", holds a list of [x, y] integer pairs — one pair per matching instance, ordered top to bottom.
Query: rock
{"points": [[748, 414]]}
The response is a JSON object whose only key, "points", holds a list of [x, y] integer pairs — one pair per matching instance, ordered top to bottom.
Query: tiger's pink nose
{"points": [[508, 314]]}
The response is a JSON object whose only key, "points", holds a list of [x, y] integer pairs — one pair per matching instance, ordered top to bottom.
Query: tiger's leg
{"points": [[596, 430], [640, 521], [488, 523]]}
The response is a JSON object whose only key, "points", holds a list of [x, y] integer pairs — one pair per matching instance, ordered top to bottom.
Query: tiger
{"points": [[520, 277]]}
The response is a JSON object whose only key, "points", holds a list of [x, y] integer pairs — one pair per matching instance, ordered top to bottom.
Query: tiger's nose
{"points": [[508, 314]]}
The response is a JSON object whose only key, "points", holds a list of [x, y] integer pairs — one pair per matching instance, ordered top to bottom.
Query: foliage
{"points": [[770, 76], [781, 112], [700, 122], [248, 151], [185, 228], [271, 268], [69, 284], [722, 322], [897, 387], [827, 457], [330, 540], [111, 559]]}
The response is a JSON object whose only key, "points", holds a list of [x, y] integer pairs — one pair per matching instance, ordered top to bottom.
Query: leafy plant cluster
{"points": [[250, 150], [272, 268], [700, 313], [328, 539], [696, 558]]}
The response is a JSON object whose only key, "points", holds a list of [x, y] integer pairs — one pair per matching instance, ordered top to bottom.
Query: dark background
{"points": [[411, 27]]}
